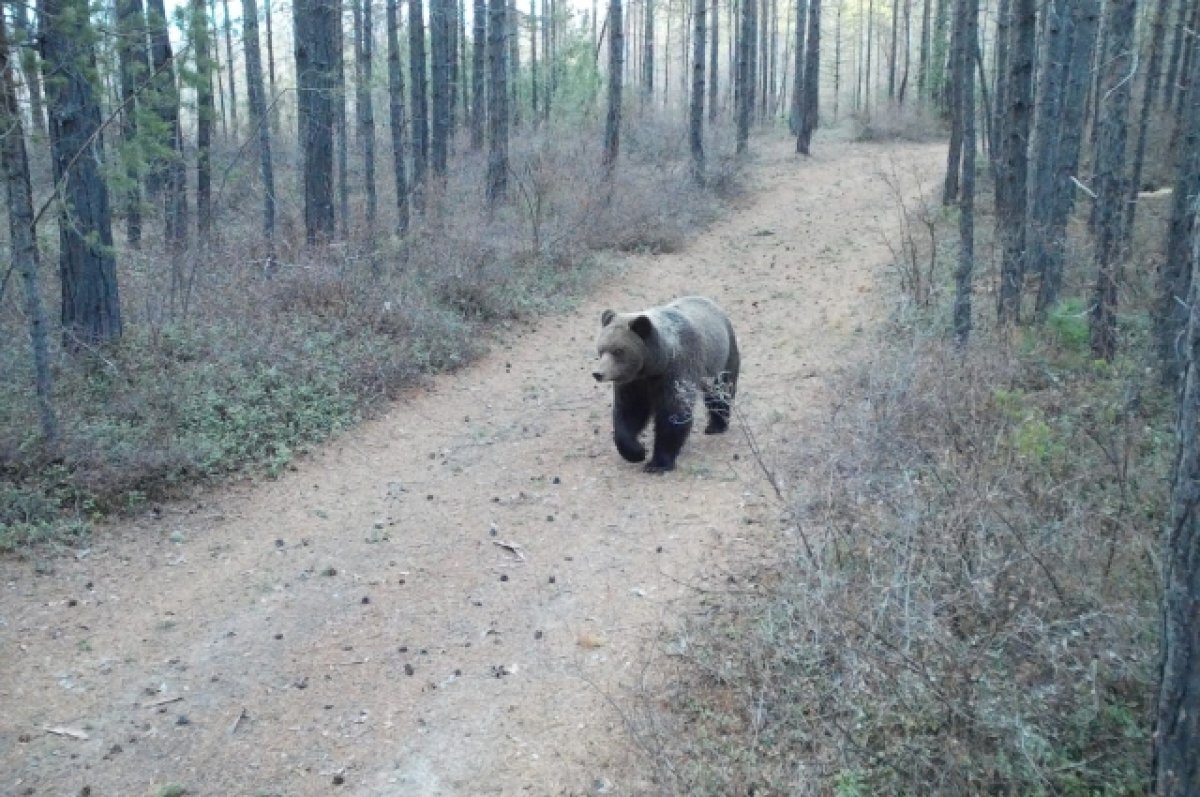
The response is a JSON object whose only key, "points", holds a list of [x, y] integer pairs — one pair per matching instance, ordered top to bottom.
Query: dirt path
{"points": [[356, 622]]}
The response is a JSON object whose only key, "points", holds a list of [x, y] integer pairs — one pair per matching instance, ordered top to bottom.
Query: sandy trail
{"points": [[354, 627]]}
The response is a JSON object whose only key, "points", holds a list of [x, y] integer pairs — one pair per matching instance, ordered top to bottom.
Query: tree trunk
{"points": [[450, 10], [1084, 22], [317, 29], [1179, 43], [648, 50], [923, 50], [894, 51], [713, 52], [939, 52], [216, 58], [533, 63], [29, 64], [616, 66], [134, 67], [271, 68], [513, 68], [479, 73], [744, 76], [812, 79], [965, 82], [1150, 88], [439, 94], [952, 100], [418, 106], [797, 107], [366, 109], [233, 110], [396, 111], [205, 112], [258, 116], [696, 122], [341, 124], [1045, 135], [1015, 159], [14, 164], [497, 169], [170, 172], [1109, 180], [1175, 274], [91, 308], [1177, 716]]}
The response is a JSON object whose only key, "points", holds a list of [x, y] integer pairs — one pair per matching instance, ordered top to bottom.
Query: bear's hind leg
{"points": [[718, 400], [631, 413], [671, 428]]}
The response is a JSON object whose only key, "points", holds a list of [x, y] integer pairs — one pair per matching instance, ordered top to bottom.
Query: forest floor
{"points": [[463, 595]]}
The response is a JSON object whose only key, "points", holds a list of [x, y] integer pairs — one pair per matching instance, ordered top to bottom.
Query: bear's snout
{"points": [[598, 375]]}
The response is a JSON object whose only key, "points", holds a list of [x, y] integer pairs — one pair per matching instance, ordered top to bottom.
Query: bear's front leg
{"points": [[631, 413], [671, 428]]}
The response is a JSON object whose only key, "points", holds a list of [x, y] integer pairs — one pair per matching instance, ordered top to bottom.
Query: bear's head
{"points": [[622, 346]]}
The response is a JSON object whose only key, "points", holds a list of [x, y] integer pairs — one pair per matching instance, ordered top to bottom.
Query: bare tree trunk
{"points": [[450, 10], [1084, 22], [1179, 43], [648, 50], [316, 51], [713, 53], [892, 56], [923, 56], [216, 59], [514, 62], [533, 63], [29, 64], [134, 66], [616, 66], [270, 67], [479, 73], [744, 76], [812, 79], [938, 80], [965, 84], [903, 88], [1150, 88], [439, 94], [953, 104], [418, 105], [797, 107], [366, 109], [205, 111], [233, 111], [396, 111], [258, 117], [341, 123], [696, 125], [1046, 132], [1015, 160], [14, 163], [497, 170], [171, 171], [1109, 178], [1175, 275], [91, 308], [1176, 734]]}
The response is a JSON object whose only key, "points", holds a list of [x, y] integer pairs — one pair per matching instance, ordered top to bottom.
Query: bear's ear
{"points": [[607, 316], [642, 326]]}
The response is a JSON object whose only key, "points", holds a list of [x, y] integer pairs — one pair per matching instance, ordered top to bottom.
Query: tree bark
{"points": [[923, 49], [648, 50], [316, 52], [713, 54], [533, 63], [29, 64], [616, 66], [134, 67], [270, 67], [513, 68], [479, 73], [745, 75], [812, 79], [1150, 88], [439, 95], [952, 100], [418, 105], [797, 107], [366, 109], [233, 110], [205, 113], [396, 114], [258, 117], [696, 122], [341, 124], [1045, 135], [1015, 160], [497, 169], [170, 171], [1109, 181], [26, 260], [965, 268], [1175, 274], [91, 307], [1176, 737]]}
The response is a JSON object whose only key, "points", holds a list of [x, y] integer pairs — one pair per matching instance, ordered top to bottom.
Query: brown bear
{"points": [[656, 360]]}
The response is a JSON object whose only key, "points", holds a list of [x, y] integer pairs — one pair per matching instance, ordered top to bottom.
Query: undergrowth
{"points": [[227, 367], [971, 605]]}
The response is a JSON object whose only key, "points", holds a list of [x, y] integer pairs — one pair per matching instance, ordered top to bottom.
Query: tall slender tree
{"points": [[317, 30], [647, 50], [713, 53], [29, 65], [134, 67], [616, 67], [479, 73], [745, 75], [812, 80], [965, 84], [1149, 90], [439, 94], [364, 104], [418, 106], [797, 107], [233, 108], [396, 113], [205, 114], [258, 118], [696, 120], [341, 126], [1046, 131], [1015, 159], [14, 166], [497, 168], [169, 172], [1109, 177], [91, 307]]}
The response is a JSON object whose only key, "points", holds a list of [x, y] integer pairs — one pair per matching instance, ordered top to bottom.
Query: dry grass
{"points": [[226, 368]]}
